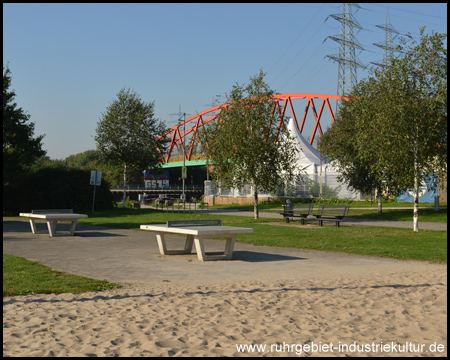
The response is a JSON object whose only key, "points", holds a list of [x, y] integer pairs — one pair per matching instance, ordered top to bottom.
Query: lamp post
{"points": [[183, 171], [125, 185]]}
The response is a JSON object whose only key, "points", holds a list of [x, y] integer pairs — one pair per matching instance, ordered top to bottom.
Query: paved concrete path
{"points": [[348, 221], [130, 256]]}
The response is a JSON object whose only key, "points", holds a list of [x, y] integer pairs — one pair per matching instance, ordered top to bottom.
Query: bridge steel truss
{"points": [[188, 130]]}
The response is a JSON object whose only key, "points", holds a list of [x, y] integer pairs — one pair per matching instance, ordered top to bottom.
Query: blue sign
{"points": [[425, 196]]}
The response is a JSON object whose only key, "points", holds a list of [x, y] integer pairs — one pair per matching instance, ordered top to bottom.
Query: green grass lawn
{"points": [[352, 203], [425, 215], [397, 243], [21, 276], [24, 277]]}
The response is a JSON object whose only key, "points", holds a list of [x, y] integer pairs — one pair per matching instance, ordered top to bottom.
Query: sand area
{"points": [[265, 302]]}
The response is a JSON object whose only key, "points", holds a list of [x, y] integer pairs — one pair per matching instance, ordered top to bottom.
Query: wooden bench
{"points": [[292, 210], [334, 213], [52, 216]]}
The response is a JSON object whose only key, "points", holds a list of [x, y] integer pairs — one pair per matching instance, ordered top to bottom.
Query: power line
{"points": [[411, 11], [408, 18], [302, 33], [298, 53], [347, 59], [302, 66]]}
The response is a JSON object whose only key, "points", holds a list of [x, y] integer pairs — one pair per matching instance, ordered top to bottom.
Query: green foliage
{"points": [[404, 114], [127, 133], [392, 133], [340, 142], [242, 145], [20, 148], [84, 160], [44, 161], [56, 188], [327, 192], [332, 201], [128, 203]]}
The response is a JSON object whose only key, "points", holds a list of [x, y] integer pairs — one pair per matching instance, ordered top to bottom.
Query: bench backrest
{"points": [[291, 207], [304, 207], [338, 210], [53, 211], [187, 223]]}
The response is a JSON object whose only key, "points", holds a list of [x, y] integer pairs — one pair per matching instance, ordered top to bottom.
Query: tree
{"points": [[400, 117], [127, 133], [340, 142], [242, 146], [20, 148], [81, 160], [45, 162]]}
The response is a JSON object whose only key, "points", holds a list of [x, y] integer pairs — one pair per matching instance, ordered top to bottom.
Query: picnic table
{"points": [[52, 217], [195, 233]]}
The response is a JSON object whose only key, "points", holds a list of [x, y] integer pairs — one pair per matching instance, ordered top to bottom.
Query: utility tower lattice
{"points": [[387, 44], [348, 62], [179, 113], [180, 121]]}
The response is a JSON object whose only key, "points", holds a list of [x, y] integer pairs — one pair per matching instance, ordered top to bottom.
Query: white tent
{"points": [[308, 157], [309, 162]]}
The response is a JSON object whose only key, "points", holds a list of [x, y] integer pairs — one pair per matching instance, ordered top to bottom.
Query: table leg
{"points": [[33, 226], [51, 227], [72, 227], [161, 243], [189, 243], [199, 246], [229, 247], [163, 248], [228, 253]]}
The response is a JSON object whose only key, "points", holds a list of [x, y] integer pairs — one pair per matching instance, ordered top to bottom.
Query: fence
{"points": [[306, 186], [186, 207]]}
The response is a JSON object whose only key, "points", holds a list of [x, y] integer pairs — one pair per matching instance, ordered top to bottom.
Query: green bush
{"points": [[56, 188], [327, 192]]}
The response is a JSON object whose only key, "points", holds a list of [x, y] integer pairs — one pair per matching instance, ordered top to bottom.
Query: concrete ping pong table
{"points": [[52, 217], [195, 232]]}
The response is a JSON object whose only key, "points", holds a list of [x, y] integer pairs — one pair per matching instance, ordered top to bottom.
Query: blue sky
{"points": [[69, 61]]}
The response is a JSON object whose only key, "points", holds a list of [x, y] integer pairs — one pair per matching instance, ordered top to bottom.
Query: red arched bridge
{"points": [[185, 133]]}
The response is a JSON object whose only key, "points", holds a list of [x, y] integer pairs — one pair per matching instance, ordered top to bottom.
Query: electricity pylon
{"points": [[387, 44], [348, 62]]}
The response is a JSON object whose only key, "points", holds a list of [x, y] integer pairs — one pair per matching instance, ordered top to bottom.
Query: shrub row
{"points": [[55, 188]]}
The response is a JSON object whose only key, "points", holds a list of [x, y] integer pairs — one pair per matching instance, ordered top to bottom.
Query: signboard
{"points": [[96, 175], [96, 179], [153, 181], [425, 196]]}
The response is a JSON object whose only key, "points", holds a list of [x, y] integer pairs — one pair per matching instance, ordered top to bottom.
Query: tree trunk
{"points": [[416, 185], [416, 204], [380, 205], [255, 208]]}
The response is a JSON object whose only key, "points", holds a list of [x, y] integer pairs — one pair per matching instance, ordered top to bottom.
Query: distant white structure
{"points": [[309, 162], [310, 173]]}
